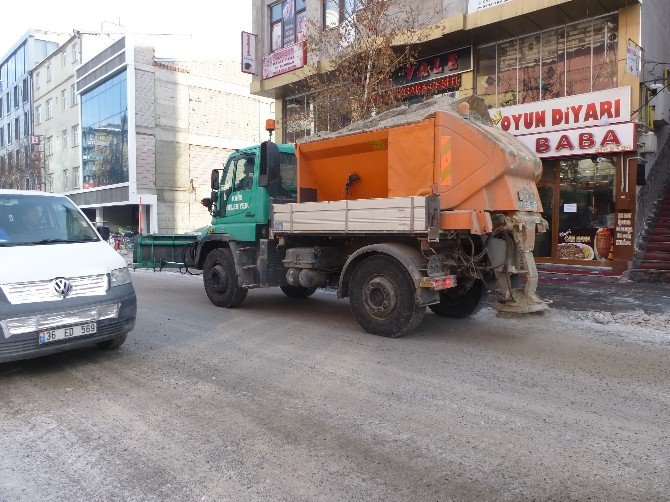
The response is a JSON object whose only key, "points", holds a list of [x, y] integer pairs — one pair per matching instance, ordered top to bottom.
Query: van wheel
{"points": [[220, 277], [297, 291], [381, 297], [462, 301], [114, 343]]}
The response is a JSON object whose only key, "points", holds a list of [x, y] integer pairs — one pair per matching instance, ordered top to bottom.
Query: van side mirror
{"points": [[269, 166], [215, 180], [104, 232]]}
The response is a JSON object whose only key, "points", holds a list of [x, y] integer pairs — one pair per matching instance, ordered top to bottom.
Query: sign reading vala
{"points": [[248, 53], [284, 60], [434, 67], [592, 109], [590, 140]]}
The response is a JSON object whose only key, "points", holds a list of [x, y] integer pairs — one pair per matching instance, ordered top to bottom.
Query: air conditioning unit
{"points": [[662, 108], [647, 142]]}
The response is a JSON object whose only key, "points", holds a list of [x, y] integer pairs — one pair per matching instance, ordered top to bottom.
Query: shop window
{"points": [[288, 23], [605, 40], [578, 58], [573, 59], [508, 61], [553, 63], [529, 68], [486, 74], [299, 117]]}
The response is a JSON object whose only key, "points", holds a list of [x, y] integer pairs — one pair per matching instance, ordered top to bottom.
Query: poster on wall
{"points": [[477, 5], [288, 15], [301, 22], [632, 59], [586, 244]]}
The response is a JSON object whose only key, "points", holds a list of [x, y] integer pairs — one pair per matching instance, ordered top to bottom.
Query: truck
{"points": [[419, 208]]}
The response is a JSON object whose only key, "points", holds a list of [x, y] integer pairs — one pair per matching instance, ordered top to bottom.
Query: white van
{"points": [[61, 285]]}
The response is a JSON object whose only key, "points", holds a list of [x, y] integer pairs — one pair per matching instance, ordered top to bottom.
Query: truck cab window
{"points": [[244, 173]]}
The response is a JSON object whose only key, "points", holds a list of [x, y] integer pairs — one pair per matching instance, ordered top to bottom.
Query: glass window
{"points": [[288, 22], [605, 39], [75, 52], [578, 58], [63, 59], [573, 59], [553, 63], [529, 68], [48, 73], [507, 73], [487, 74], [37, 80], [25, 90], [63, 99], [74, 99], [2, 110], [50, 111], [38, 114], [104, 129], [75, 136], [64, 138], [28, 219]]}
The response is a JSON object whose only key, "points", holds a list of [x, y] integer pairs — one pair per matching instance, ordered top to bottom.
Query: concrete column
{"points": [[99, 216]]}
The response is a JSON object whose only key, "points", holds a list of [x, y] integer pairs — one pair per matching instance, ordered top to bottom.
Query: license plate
{"points": [[52, 335]]}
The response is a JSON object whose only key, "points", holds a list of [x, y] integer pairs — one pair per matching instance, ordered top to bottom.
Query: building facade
{"points": [[581, 83], [56, 128], [152, 129], [18, 167]]}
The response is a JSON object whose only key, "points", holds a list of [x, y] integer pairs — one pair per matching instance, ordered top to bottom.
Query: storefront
{"points": [[588, 146]]}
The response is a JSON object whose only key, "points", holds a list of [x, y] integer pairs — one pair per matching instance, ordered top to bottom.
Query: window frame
{"points": [[280, 22], [75, 52], [48, 70], [63, 97], [50, 111], [38, 114], [75, 136]]}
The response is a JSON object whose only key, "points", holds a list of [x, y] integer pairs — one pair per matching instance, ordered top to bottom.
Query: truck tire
{"points": [[220, 277], [297, 291], [381, 297], [461, 301], [114, 343]]}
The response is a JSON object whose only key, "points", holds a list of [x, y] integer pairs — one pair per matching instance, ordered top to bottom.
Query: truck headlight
{"points": [[119, 276]]}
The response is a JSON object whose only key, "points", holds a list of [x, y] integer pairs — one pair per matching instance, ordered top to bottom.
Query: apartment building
{"points": [[583, 83], [152, 129], [56, 131], [19, 165]]}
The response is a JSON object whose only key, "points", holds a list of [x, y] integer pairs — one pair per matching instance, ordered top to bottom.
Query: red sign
{"points": [[248, 53], [435, 86], [33, 139], [604, 139]]}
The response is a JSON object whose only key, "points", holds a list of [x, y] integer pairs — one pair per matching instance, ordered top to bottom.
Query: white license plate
{"points": [[52, 335]]}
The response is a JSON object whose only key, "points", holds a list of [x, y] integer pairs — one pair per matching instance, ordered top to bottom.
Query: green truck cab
{"points": [[240, 199]]}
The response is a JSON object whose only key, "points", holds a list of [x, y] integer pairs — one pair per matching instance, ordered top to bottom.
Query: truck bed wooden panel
{"points": [[401, 215]]}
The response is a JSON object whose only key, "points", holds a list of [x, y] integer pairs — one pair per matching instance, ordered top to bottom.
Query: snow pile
{"points": [[409, 114], [658, 322]]}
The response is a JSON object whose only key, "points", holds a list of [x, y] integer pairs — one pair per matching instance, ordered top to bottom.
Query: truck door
{"points": [[239, 183]]}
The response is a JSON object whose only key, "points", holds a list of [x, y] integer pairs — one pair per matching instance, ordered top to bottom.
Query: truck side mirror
{"points": [[269, 168], [215, 180], [104, 232]]}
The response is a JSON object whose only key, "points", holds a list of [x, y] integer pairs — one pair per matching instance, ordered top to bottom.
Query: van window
{"points": [[36, 219]]}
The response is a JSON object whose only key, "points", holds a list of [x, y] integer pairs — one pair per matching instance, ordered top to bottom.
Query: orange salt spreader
{"points": [[483, 179]]}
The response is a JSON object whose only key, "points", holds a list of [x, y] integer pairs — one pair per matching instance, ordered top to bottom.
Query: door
{"points": [[239, 181]]}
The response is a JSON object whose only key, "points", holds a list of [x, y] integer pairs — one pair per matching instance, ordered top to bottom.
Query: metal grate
{"points": [[43, 291]]}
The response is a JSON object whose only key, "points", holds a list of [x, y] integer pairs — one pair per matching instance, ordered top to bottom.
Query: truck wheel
{"points": [[220, 278], [297, 291], [381, 296], [462, 301], [114, 343]]}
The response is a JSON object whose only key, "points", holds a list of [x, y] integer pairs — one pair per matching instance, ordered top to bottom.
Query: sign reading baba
{"points": [[593, 109], [615, 138]]}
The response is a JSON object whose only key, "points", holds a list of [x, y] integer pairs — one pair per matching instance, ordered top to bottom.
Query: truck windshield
{"points": [[37, 219]]}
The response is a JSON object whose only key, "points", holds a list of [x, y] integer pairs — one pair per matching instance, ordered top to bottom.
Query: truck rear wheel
{"points": [[220, 279], [297, 291], [381, 296], [462, 301]]}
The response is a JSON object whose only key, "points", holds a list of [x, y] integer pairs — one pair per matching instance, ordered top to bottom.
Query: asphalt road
{"points": [[288, 400]]}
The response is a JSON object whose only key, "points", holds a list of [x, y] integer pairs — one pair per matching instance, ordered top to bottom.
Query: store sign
{"points": [[477, 5], [248, 53], [632, 59], [284, 60], [435, 67], [449, 84], [593, 109], [33, 139], [592, 140], [624, 229], [586, 244]]}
